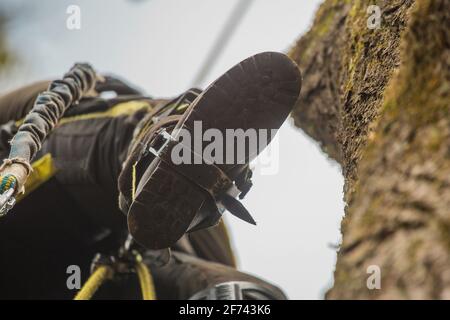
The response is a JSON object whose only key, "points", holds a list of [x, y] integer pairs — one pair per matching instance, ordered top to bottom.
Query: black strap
{"points": [[208, 177]]}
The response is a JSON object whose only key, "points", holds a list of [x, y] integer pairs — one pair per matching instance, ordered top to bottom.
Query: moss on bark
{"points": [[393, 117]]}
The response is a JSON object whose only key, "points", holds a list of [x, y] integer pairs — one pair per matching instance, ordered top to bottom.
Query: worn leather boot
{"points": [[165, 198]]}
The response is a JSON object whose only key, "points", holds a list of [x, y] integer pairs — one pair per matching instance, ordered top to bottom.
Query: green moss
{"points": [[326, 22], [323, 25], [354, 60], [422, 85], [420, 96], [435, 140], [444, 232], [413, 249]]}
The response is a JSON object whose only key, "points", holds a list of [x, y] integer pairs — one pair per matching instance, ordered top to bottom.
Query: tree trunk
{"points": [[377, 101]]}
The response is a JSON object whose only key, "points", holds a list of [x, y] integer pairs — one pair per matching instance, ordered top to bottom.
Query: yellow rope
{"points": [[121, 109], [133, 183], [104, 272], [100, 275], [145, 280]]}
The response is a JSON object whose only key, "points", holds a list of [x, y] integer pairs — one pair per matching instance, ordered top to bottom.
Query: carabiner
{"points": [[7, 201]]}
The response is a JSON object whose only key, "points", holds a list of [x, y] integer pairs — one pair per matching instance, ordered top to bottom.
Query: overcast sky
{"points": [[159, 45]]}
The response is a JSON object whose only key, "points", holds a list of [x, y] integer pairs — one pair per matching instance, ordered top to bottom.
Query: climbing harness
{"points": [[45, 115], [17, 172], [106, 268], [100, 275]]}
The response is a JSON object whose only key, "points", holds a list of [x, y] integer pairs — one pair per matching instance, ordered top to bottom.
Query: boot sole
{"points": [[258, 93]]}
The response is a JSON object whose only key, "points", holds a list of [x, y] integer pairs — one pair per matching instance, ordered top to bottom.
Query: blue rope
{"points": [[7, 182]]}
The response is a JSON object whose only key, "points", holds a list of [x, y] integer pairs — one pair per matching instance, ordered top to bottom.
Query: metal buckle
{"points": [[168, 138], [7, 201]]}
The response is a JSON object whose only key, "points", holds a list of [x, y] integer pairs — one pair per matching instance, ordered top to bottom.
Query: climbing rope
{"points": [[47, 110], [45, 115], [7, 182], [106, 272], [100, 275], [145, 280]]}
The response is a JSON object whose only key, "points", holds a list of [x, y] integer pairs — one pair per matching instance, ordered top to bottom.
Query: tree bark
{"points": [[377, 101]]}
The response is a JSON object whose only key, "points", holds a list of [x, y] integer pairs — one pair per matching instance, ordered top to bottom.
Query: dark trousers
{"points": [[75, 214]]}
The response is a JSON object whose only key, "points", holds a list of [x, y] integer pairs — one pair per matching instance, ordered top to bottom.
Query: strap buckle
{"points": [[167, 139], [7, 201]]}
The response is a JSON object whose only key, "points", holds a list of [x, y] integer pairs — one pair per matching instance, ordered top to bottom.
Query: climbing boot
{"points": [[169, 197]]}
